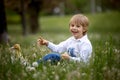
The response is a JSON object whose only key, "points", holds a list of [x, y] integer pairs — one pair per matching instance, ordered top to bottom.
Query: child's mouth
{"points": [[74, 32]]}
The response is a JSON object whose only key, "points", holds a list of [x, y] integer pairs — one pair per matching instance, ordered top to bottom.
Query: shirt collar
{"points": [[81, 39]]}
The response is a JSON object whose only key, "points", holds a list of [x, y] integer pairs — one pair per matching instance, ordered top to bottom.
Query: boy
{"points": [[76, 48]]}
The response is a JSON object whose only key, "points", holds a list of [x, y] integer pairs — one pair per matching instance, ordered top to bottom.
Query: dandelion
{"points": [[106, 43], [34, 49], [43, 50], [116, 51], [34, 55], [49, 60], [58, 63], [35, 64], [29, 68], [44, 68], [64, 70], [53, 72], [73, 74], [83, 74], [36, 75], [56, 77]]}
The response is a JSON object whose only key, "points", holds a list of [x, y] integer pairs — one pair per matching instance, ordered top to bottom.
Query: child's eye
{"points": [[72, 25], [78, 26]]}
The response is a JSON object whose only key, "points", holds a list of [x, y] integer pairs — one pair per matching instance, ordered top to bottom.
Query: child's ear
{"points": [[84, 30]]}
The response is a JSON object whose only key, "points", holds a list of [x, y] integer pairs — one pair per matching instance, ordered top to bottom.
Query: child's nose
{"points": [[74, 27]]}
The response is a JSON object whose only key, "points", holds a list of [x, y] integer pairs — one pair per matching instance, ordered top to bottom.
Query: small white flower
{"points": [[34, 55], [49, 60], [25, 63], [58, 63], [35, 64], [29, 68], [32, 69], [83, 74], [36, 75]]}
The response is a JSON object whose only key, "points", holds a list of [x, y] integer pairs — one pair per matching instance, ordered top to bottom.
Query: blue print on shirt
{"points": [[71, 52]]}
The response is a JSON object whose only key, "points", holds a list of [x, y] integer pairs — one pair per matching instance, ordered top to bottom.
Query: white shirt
{"points": [[78, 49]]}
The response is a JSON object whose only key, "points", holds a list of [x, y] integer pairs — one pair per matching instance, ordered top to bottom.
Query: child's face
{"points": [[76, 30]]}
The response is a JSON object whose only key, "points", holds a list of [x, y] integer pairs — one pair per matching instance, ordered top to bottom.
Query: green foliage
{"points": [[80, 5], [107, 23], [104, 64]]}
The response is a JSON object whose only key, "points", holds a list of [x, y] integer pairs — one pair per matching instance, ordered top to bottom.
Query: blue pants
{"points": [[53, 57]]}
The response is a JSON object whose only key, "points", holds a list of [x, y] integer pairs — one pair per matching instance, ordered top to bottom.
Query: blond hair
{"points": [[80, 19]]}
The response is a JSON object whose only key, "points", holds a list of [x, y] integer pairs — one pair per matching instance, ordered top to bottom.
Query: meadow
{"points": [[104, 34]]}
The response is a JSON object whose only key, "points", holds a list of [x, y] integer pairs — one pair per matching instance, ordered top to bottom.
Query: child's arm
{"points": [[42, 41], [53, 47], [84, 54], [65, 56]]}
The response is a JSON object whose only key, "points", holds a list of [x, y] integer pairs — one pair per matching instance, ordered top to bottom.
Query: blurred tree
{"points": [[92, 4], [79, 5], [108, 5], [20, 7], [48, 7], [34, 8], [23, 17], [3, 24]]}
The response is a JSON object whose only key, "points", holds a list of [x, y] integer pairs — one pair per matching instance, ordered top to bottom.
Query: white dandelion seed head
{"points": [[43, 50], [34, 55], [49, 60], [24, 63], [58, 63], [35, 64], [29, 68], [32, 69], [83, 74], [36, 75]]}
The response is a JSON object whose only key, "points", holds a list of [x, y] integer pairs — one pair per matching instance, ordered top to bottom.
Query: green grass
{"points": [[104, 31]]}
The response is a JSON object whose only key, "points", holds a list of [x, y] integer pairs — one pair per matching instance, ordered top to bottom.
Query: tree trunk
{"points": [[92, 4], [34, 9], [23, 18], [34, 21], [3, 24]]}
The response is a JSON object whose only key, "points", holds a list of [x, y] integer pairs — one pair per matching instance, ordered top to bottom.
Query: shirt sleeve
{"points": [[61, 47], [84, 54]]}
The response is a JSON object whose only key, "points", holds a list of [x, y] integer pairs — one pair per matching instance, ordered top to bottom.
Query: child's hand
{"points": [[42, 41], [65, 56]]}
